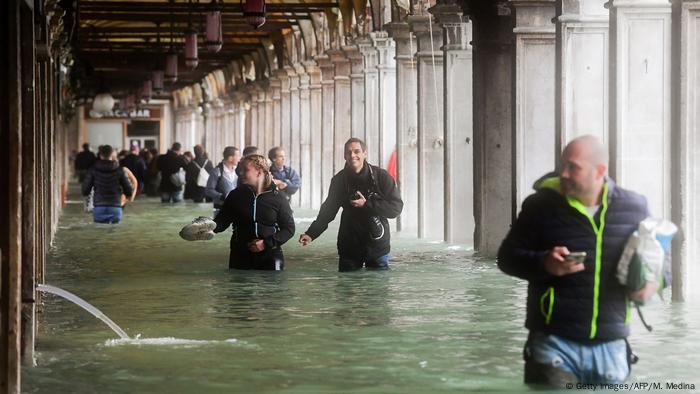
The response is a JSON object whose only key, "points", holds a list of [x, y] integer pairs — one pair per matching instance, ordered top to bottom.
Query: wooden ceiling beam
{"points": [[165, 6], [179, 18], [164, 31]]}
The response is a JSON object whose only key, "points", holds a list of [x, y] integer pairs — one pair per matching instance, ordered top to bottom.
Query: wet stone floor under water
{"points": [[441, 320]]}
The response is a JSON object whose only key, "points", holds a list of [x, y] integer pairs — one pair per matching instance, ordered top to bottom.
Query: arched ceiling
{"points": [[118, 43]]}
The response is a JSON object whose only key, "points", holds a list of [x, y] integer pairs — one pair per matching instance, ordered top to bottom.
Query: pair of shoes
{"points": [[376, 228], [201, 229]]}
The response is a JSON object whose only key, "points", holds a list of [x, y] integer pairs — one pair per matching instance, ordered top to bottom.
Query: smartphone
{"points": [[577, 257]]}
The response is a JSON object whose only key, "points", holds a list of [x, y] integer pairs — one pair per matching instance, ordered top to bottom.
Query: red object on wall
{"points": [[391, 168]]}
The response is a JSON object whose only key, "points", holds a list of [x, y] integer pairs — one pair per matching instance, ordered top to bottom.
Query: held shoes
{"points": [[201, 229]]}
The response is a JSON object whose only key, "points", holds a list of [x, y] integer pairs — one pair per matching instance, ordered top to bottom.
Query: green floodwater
{"points": [[442, 320]]}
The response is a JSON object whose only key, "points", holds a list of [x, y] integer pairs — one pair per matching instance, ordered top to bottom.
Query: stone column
{"points": [[492, 44], [535, 51], [582, 66], [386, 70], [276, 87], [357, 91], [371, 98], [640, 98], [342, 107], [285, 108], [253, 114], [244, 118], [262, 118], [327, 122], [459, 123], [406, 125], [235, 129], [269, 130], [431, 138], [293, 156], [304, 160], [312, 179], [686, 185]]}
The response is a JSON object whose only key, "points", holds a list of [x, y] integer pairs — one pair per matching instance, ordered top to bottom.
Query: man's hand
{"points": [[280, 184], [360, 202], [305, 239], [256, 245], [555, 262], [642, 295]]}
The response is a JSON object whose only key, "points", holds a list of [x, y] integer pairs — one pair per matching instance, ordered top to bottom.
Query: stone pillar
{"points": [[492, 45], [535, 51], [386, 70], [582, 70], [276, 87], [357, 91], [239, 98], [371, 98], [640, 98], [342, 107], [285, 108], [262, 119], [327, 122], [459, 123], [406, 126], [235, 129], [269, 130], [252, 135], [431, 138], [293, 156], [304, 164], [312, 179], [686, 185]]}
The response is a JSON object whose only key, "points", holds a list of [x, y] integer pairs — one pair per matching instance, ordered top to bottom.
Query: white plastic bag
{"points": [[203, 175], [644, 255]]}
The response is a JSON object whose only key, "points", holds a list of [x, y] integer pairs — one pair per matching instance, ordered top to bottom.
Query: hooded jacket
{"points": [[109, 181], [383, 201], [265, 216], [585, 306]]}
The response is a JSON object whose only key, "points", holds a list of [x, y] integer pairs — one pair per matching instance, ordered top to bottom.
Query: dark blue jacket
{"points": [[287, 175], [109, 181], [589, 305]]}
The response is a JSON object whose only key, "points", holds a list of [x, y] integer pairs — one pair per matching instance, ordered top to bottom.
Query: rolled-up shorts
{"points": [[555, 361]]}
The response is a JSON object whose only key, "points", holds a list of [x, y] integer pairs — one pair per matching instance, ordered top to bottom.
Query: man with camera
{"points": [[368, 196], [566, 243]]}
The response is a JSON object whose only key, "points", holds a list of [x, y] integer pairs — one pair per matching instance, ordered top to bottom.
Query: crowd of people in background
{"points": [[175, 176]]}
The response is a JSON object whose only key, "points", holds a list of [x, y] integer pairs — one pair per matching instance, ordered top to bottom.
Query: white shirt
{"points": [[230, 175]]}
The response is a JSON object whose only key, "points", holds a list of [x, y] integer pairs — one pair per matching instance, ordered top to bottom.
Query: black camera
{"points": [[355, 196]]}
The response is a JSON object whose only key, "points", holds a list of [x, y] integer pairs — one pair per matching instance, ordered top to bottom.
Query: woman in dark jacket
{"points": [[201, 162], [260, 216]]}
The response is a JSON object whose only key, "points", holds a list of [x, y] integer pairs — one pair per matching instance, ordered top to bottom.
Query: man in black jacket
{"points": [[83, 161], [135, 163], [169, 164], [110, 182], [368, 196], [577, 312]]}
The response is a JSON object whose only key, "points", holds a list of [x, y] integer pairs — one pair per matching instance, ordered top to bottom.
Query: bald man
{"points": [[566, 243]]}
